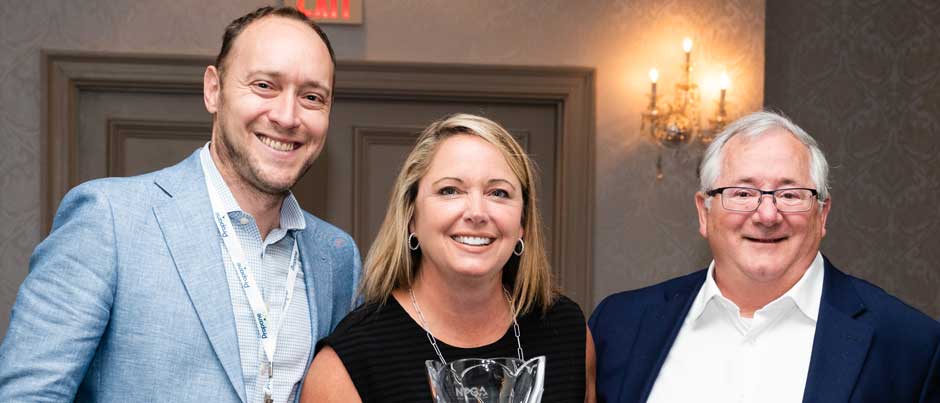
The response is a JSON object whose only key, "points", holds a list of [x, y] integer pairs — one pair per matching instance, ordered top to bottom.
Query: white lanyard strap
{"points": [[247, 280]]}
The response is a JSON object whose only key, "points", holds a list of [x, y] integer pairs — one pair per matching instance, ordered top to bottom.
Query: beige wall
{"points": [[862, 77], [645, 230]]}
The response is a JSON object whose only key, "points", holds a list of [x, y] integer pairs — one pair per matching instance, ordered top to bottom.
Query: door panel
{"points": [[126, 133]]}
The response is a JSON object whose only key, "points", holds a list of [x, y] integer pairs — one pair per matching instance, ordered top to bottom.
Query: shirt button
{"points": [[243, 220]]}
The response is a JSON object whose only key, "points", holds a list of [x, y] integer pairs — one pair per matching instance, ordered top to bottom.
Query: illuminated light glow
{"points": [[333, 7], [345, 9], [687, 45], [654, 75], [723, 81]]}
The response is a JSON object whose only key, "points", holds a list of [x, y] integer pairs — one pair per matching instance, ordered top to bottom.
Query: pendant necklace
{"points": [[427, 329]]}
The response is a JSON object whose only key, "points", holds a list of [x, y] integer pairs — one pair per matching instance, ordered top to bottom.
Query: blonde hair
{"points": [[390, 264]]}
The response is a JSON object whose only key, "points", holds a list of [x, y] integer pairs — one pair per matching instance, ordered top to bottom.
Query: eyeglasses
{"points": [[792, 200]]}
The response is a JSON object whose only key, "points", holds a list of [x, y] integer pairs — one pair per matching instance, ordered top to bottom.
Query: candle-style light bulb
{"points": [[687, 47], [654, 76], [723, 82]]}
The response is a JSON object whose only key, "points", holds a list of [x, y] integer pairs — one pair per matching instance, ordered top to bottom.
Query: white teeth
{"points": [[277, 145], [473, 240]]}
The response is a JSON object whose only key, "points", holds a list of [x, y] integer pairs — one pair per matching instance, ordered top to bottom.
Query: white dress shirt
{"points": [[720, 356]]}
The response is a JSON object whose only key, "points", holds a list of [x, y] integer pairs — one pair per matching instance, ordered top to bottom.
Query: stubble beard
{"points": [[249, 173]]}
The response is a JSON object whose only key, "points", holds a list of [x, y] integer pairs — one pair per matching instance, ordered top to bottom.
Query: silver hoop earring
{"points": [[417, 242], [519, 248]]}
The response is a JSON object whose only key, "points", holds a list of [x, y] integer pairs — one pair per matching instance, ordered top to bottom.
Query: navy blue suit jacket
{"points": [[869, 346]]}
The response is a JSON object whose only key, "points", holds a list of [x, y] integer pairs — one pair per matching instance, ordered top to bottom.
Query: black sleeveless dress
{"points": [[384, 351]]}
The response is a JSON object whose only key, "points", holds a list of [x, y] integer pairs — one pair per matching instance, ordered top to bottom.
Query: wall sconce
{"points": [[721, 117], [677, 123]]}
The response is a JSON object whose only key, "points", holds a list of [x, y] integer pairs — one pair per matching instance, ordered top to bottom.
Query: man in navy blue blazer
{"points": [[770, 319]]}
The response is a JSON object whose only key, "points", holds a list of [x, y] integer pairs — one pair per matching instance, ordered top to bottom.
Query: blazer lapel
{"points": [[190, 234], [318, 278], [657, 332], [841, 343]]}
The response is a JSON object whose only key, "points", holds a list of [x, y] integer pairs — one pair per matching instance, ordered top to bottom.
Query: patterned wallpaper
{"points": [[862, 77], [645, 231]]}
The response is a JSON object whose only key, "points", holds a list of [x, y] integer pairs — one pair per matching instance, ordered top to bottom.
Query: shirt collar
{"points": [[292, 217], [806, 293], [705, 295]]}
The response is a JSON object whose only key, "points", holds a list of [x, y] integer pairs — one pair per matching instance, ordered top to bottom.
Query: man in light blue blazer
{"points": [[204, 281], [771, 319]]}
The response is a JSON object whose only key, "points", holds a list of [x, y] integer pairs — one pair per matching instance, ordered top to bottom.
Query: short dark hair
{"points": [[236, 27]]}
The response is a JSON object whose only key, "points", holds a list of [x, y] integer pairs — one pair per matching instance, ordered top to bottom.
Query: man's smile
{"points": [[276, 144], [766, 239]]}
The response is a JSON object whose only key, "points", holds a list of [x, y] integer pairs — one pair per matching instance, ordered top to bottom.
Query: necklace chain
{"points": [[433, 340]]}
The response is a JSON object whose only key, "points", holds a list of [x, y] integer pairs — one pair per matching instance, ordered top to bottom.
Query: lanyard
{"points": [[259, 309]]}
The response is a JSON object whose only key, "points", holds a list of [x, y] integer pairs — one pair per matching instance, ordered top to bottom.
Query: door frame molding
{"points": [[569, 89]]}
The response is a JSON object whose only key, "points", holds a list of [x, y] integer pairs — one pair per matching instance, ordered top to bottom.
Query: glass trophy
{"points": [[487, 380]]}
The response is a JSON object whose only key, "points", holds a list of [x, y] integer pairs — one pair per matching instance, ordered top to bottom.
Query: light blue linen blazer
{"points": [[127, 299]]}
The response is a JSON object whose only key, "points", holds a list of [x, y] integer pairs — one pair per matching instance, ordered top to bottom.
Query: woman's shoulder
{"points": [[565, 305], [563, 309], [562, 316], [366, 321], [561, 336]]}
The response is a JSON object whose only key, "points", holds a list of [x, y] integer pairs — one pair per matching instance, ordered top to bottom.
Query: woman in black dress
{"points": [[458, 270]]}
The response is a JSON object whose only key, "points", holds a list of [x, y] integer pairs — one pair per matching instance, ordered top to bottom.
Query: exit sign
{"points": [[332, 11]]}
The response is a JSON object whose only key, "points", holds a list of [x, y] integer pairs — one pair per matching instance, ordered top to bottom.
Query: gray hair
{"points": [[754, 125]]}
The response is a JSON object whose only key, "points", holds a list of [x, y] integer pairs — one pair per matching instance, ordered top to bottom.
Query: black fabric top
{"points": [[384, 351]]}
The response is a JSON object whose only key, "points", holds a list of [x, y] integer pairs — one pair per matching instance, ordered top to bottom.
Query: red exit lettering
{"points": [[327, 10]]}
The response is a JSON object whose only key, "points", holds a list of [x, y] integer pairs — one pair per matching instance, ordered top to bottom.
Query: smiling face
{"points": [[272, 105], [468, 210], [765, 246]]}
